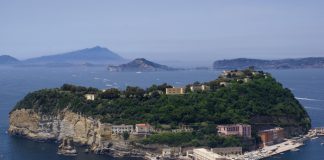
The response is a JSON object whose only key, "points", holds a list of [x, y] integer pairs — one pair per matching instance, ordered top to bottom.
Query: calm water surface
{"points": [[15, 83]]}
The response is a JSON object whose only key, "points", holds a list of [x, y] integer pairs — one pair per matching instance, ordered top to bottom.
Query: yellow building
{"points": [[175, 90]]}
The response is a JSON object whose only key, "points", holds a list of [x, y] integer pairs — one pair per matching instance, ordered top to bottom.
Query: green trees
{"points": [[134, 92], [112, 93], [237, 103], [125, 135]]}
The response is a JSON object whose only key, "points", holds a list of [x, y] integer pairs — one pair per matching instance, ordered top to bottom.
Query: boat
{"points": [[138, 72], [314, 138], [322, 143], [295, 149]]}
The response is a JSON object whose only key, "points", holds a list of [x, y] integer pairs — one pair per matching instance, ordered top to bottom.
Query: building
{"points": [[232, 74], [224, 84], [203, 87], [175, 90], [89, 97], [143, 128], [118, 129], [243, 130], [272, 136], [227, 150], [171, 152], [204, 154]]}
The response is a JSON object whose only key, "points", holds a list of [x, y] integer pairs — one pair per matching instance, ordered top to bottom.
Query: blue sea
{"points": [[16, 82]]}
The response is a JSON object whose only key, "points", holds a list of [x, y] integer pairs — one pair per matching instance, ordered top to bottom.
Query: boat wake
{"points": [[308, 99], [314, 108]]}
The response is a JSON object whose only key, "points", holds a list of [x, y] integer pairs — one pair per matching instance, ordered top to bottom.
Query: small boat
{"points": [[314, 138], [322, 143], [295, 149]]}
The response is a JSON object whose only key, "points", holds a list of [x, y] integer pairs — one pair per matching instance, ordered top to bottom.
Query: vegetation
{"points": [[262, 100]]}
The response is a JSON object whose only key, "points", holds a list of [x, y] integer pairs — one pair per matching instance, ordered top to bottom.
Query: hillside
{"points": [[95, 55], [6, 59], [240, 63], [139, 64], [261, 102]]}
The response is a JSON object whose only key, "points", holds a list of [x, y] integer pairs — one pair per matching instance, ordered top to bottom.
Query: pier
{"points": [[318, 131]]}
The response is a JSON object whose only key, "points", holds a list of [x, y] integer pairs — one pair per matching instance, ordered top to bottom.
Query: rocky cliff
{"points": [[66, 124]]}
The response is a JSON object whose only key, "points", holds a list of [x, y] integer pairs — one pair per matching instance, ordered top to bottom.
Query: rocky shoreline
{"points": [[68, 125]]}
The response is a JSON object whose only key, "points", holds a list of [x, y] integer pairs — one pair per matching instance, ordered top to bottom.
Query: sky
{"points": [[164, 30]]}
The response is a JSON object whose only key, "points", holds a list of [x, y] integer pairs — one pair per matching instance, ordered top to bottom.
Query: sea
{"points": [[15, 82]]}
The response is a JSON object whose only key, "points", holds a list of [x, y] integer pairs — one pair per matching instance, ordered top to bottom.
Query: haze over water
{"points": [[15, 82]]}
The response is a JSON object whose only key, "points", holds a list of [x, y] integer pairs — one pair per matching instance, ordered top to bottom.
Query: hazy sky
{"points": [[185, 30]]}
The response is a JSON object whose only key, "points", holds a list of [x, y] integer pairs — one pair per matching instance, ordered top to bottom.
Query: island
{"points": [[89, 57], [6, 60], [297, 63], [140, 65], [240, 111]]}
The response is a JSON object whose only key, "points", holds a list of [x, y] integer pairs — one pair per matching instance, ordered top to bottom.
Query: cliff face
{"points": [[82, 130]]}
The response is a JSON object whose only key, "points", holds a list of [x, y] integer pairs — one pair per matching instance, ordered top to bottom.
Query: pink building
{"points": [[243, 130]]}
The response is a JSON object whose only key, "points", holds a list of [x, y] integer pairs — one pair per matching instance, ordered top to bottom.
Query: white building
{"points": [[225, 84], [203, 87], [89, 97], [143, 128], [118, 129], [204, 154]]}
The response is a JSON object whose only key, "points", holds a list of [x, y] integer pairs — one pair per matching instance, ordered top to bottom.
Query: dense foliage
{"points": [[237, 103]]}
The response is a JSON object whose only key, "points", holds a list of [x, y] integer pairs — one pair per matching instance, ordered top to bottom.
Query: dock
{"points": [[319, 131]]}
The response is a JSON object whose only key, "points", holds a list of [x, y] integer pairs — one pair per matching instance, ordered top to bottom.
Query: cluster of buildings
{"points": [[182, 90]]}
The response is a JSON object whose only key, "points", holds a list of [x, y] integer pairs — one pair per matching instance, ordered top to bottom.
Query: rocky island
{"points": [[297, 63], [140, 65], [235, 110]]}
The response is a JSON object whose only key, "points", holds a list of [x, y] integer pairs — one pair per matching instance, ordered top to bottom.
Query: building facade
{"points": [[175, 90], [89, 97], [143, 128], [119, 129], [243, 130], [272, 136], [227, 150], [204, 154]]}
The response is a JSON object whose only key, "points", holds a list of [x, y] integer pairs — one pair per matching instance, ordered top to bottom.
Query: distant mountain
{"points": [[95, 55], [6, 59], [240, 63], [140, 65]]}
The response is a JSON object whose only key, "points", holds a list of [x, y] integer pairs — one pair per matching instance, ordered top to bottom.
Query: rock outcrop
{"points": [[66, 124]]}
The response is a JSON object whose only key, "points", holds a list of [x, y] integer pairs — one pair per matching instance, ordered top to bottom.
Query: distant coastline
{"points": [[298, 63]]}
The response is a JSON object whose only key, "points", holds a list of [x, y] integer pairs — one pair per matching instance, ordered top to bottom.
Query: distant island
{"points": [[86, 57], [6, 59], [300, 63], [140, 65], [235, 110]]}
